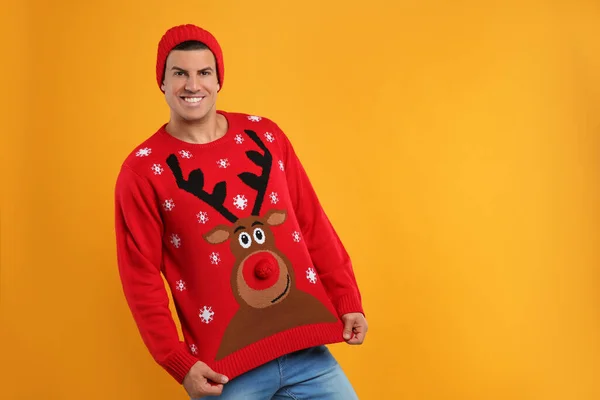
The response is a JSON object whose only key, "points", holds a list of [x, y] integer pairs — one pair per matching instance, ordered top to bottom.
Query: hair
{"points": [[191, 45], [185, 46]]}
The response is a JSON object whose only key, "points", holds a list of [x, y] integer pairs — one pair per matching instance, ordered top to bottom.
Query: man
{"points": [[219, 204]]}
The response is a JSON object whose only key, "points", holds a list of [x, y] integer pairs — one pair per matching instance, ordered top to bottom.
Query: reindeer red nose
{"points": [[264, 269], [260, 270]]}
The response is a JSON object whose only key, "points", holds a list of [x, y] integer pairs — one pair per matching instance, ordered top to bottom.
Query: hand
{"points": [[355, 328], [202, 381]]}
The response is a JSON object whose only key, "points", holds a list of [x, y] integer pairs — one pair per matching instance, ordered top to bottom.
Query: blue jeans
{"points": [[311, 374]]}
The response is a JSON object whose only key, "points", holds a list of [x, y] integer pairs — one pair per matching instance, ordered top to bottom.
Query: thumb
{"points": [[348, 324], [215, 377]]}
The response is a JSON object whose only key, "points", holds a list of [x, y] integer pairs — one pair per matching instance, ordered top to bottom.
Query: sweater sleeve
{"points": [[138, 230], [328, 254]]}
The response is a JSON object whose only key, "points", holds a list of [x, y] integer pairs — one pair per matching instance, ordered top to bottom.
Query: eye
{"points": [[259, 236], [245, 240]]}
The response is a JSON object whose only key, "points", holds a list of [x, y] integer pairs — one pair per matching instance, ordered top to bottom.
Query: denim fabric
{"points": [[311, 374]]}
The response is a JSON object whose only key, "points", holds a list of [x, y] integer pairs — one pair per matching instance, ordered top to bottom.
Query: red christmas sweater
{"points": [[254, 266]]}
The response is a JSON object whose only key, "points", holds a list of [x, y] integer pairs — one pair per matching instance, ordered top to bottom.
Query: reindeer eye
{"points": [[259, 236], [245, 240]]}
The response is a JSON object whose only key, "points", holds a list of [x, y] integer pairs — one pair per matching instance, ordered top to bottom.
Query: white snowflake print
{"points": [[254, 118], [269, 136], [239, 139], [145, 152], [185, 154], [223, 163], [281, 167], [157, 169], [274, 198], [240, 202], [169, 205], [202, 217], [296, 236], [175, 241], [214, 258], [311, 275], [180, 285], [206, 314], [194, 349]]}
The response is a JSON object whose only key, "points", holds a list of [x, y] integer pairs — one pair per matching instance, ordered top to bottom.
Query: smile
{"points": [[192, 100], [287, 287]]}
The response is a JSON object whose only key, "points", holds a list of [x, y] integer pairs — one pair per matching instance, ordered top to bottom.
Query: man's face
{"points": [[190, 84]]}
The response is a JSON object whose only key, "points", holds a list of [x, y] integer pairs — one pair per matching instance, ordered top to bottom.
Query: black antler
{"points": [[258, 183], [195, 185]]}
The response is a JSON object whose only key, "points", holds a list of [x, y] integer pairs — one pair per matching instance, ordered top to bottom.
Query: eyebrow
{"points": [[183, 70], [257, 223], [239, 228]]}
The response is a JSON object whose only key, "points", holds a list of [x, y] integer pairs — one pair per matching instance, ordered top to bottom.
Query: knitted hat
{"points": [[182, 33]]}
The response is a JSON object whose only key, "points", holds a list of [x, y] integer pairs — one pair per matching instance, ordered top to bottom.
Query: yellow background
{"points": [[455, 146]]}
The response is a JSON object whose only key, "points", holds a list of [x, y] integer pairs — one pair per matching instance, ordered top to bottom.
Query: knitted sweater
{"points": [[253, 264]]}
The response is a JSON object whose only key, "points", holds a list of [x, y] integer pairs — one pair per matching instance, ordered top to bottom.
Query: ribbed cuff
{"points": [[348, 304], [179, 363]]}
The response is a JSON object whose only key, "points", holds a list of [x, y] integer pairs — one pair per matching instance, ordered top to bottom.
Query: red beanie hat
{"points": [[180, 34]]}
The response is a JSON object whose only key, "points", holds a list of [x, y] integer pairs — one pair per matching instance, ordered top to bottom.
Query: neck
{"points": [[208, 129]]}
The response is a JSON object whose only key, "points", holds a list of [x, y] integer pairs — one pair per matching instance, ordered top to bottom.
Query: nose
{"points": [[192, 84], [264, 269], [261, 271]]}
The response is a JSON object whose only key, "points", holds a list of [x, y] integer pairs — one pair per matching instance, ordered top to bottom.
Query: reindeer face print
{"points": [[261, 277]]}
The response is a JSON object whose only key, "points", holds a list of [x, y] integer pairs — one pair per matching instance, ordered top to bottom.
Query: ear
{"points": [[276, 217], [217, 235]]}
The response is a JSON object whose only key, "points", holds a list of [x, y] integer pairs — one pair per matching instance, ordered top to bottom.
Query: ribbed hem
{"points": [[348, 304], [278, 345], [179, 363]]}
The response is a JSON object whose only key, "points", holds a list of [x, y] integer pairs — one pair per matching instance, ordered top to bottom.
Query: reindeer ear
{"points": [[276, 217], [217, 235]]}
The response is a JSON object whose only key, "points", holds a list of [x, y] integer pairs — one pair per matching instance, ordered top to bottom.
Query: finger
{"points": [[348, 326], [361, 327], [358, 335], [356, 339], [215, 377], [212, 390]]}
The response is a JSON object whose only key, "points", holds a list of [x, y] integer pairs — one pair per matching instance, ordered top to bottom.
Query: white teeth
{"points": [[193, 99]]}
